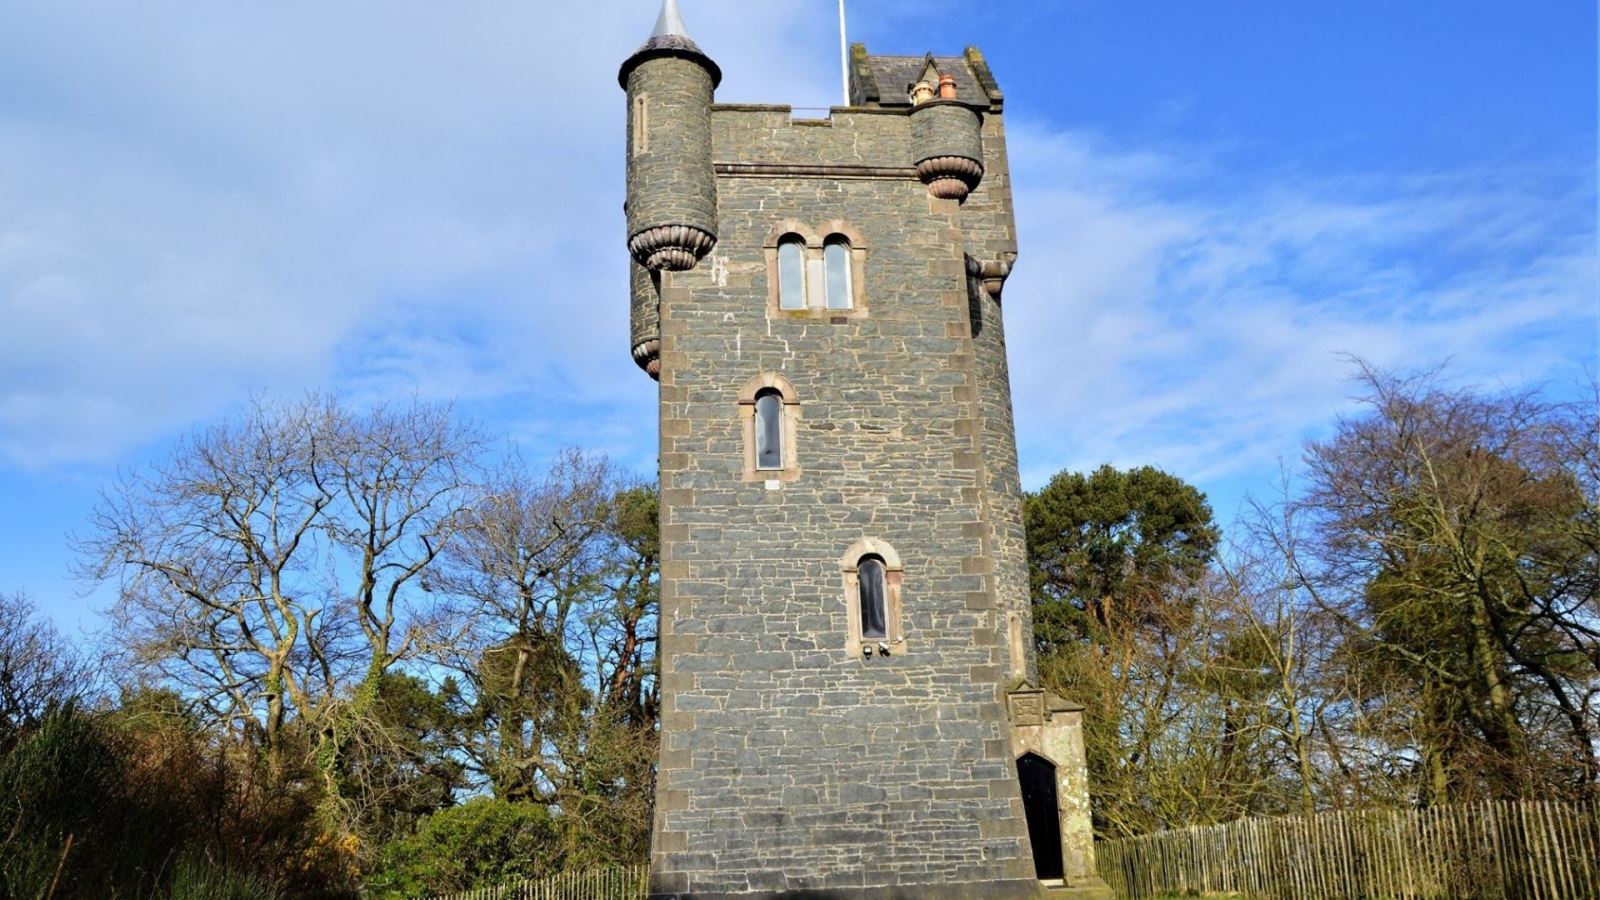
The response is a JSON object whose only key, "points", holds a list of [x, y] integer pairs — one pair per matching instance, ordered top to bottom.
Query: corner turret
{"points": [[947, 137], [672, 185], [645, 319]]}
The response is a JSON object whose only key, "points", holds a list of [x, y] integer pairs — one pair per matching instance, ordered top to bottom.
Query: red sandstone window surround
{"points": [[816, 272], [769, 417], [873, 577]]}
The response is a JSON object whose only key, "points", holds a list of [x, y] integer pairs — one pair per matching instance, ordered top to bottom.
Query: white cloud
{"points": [[203, 200], [200, 201], [1164, 313]]}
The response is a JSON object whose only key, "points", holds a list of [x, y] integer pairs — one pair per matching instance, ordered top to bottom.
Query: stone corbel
{"points": [[671, 248], [992, 272], [648, 355]]}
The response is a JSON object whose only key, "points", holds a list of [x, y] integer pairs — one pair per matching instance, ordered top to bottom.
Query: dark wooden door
{"points": [[1038, 776]]}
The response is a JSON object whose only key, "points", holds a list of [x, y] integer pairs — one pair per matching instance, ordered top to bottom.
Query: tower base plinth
{"points": [[988, 890]]}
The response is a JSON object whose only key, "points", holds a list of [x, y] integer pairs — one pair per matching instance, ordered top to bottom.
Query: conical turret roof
{"points": [[670, 22], [670, 32], [670, 38]]}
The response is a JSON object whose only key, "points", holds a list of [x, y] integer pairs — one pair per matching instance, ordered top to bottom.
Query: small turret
{"points": [[947, 137], [672, 185], [645, 319]]}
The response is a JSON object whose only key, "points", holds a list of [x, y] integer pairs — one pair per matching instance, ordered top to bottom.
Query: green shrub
{"points": [[129, 806], [71, 825], [482, 843], [199, 879]]}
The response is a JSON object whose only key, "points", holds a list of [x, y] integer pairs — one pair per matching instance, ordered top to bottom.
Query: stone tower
{"points": [[846, 664]]}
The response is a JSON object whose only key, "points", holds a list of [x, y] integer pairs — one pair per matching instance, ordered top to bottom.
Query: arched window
{"points": [[836, 263], [816, 271], [791, 273], [769, 415], [769, 429], [873, 576], [874, 598]]}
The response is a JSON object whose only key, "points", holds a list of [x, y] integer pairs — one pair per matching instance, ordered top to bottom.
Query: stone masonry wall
{"points": [[989, 235], [787, 763]]}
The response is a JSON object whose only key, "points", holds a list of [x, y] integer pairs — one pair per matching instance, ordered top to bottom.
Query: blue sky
{"points": [[1216, 200]]}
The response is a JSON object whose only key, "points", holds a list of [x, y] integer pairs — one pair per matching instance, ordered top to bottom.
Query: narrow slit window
{"points": [[641, 124], [836, 260], [791, 274], [769, 430], [874, 598]]}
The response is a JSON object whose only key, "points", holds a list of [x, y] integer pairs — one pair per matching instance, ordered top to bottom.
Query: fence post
{"points": [[1531, 849]]}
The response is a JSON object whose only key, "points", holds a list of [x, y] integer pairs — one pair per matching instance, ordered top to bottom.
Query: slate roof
{"points": [[670, 38], [887, 80]]}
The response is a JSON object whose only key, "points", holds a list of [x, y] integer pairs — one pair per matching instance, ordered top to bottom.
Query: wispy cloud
{"points": [[204, 201], [1171, 311]]}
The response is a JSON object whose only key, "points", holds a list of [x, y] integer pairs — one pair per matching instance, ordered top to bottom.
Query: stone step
{"points": [[1094, 890]]}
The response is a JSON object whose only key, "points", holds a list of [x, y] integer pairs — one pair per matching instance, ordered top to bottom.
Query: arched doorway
{"points": [[1038, 777]]}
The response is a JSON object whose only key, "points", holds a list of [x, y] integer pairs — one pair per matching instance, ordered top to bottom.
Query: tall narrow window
{"points": [[836, 260], [791, 274], [769, 416], [769, 430], [873, 576], [874, 598]]}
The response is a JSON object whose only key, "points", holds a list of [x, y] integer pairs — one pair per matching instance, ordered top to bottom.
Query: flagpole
{"points": [[844, 55]]}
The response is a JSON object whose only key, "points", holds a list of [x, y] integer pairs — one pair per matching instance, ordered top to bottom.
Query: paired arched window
{"points": [[816, 275], [872, 579]]}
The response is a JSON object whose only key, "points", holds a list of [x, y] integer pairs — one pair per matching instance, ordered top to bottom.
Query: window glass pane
{"points": [[837, 258], [791, 276], [769, 431], [874, 595]]}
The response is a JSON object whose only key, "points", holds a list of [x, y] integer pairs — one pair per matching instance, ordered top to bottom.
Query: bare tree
{"points": [[405, 481], [1452, 540], [268, 569], [518, 580], [552, 634], [1282, 640], [39, 669]]}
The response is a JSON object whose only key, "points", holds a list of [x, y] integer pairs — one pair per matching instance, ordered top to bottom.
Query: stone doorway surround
{"points": [[1052, 728], [1043, 810]]}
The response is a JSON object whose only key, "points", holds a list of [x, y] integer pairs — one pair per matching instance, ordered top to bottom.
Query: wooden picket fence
{"points": [[1515, 850], [630, 883]]}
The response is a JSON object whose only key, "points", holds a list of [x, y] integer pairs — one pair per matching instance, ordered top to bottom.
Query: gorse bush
{"points": [[102, 806], [76, 823]]}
